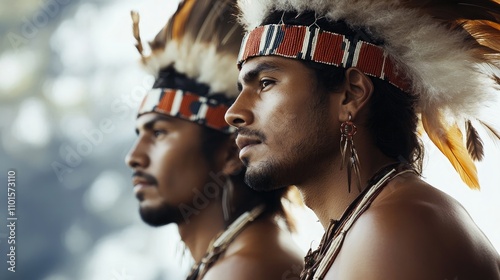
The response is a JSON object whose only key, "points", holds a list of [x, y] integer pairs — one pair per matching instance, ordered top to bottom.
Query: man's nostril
{"points": [[238, 121]]}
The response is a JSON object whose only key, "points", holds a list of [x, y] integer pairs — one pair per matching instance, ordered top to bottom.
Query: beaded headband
{"points": [[314, 44], [178, 103]]}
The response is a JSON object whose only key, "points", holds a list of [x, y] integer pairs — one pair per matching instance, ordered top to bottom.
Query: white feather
{"points": [[199, 61]]}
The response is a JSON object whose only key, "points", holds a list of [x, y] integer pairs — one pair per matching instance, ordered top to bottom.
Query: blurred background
{"points": [[70, 85]]}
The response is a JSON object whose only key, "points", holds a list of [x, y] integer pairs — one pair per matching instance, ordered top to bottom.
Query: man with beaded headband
{"points": [[332, 93], [185, 160]]}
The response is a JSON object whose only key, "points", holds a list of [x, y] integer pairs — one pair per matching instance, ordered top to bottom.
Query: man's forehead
{"points": [[260, 64], [152, 117]]}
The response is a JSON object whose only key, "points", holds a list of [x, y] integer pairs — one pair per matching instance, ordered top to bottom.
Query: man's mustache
{"points": [[249, 132], [150, 179]]}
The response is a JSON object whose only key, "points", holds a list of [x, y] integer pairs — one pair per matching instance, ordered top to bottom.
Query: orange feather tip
{"points": [[181, 17], [450, 142]]}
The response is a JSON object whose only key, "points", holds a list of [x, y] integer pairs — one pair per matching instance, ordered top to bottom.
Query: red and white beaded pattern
{"points": [[313, 44], [186, 105]]}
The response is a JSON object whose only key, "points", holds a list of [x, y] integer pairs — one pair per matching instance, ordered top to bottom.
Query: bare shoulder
{"points": [[414, 231], [261, 251]]}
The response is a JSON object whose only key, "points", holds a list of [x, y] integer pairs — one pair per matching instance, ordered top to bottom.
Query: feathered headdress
{"points": [[446, 52], [193, 58]]}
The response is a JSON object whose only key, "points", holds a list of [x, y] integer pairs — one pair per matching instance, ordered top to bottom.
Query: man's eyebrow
{"points": [[251, 75], [149, 124]]}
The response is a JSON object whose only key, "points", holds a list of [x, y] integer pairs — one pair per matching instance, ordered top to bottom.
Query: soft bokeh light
{"points": [[16, 67], [66, 91], [31, 125], [104, 191], [77, 239]]}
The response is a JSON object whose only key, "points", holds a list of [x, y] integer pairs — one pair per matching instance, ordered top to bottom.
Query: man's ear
{"points": [[358, 90], [232, 163]]}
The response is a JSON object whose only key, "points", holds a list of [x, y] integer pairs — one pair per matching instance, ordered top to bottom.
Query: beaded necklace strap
{"points": [[220, 244], [319, 262]]}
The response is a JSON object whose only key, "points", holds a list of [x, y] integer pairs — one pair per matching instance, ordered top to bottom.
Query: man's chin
{"points": [[261, 180], [160, 216]]}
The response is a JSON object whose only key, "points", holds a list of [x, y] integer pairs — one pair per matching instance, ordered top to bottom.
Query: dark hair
{"points": [[392, 120]]}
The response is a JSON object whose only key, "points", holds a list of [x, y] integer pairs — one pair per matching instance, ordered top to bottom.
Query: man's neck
{"points": [[327, 192], [202, 228]]}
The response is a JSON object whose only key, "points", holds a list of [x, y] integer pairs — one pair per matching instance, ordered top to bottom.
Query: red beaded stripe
{"points": [[253, 42], [289, 45], [329, 49], [326, 55], [370, 60], [187, 100], [167, 101], [213, 118]]}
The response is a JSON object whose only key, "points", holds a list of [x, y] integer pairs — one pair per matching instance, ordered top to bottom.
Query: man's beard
{"points": [[291, 169], [271, 175], [262, 179], [161, 216]]}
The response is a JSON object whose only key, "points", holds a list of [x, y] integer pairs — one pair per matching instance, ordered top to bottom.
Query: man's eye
{"points": [[266, 83], [159, 132]]}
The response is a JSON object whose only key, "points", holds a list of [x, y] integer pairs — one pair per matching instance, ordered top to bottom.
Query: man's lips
{"points": [[245, 142], [141, 180], [140, 184]]}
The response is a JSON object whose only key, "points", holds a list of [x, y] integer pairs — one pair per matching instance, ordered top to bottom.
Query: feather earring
{"points": [[348, 152]]}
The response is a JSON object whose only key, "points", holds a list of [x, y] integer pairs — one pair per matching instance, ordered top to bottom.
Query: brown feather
{"points": [[451, 10], [209, 21], [137, 34], [486, 34], [496, 78], [474, 142], [450, 143]]}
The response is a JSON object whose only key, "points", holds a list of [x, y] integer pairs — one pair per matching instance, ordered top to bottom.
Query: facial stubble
{"points": [[277, 173]]}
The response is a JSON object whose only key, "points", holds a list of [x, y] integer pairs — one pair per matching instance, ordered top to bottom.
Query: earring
{"points": [[348, 152], [227, 198]]}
